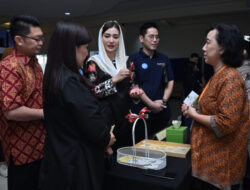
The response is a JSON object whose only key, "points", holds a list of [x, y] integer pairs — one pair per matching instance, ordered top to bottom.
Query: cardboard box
{"points": [[177, 135]]}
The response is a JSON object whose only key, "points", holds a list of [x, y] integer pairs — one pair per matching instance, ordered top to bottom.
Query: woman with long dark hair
{"points": [[77, 135]]}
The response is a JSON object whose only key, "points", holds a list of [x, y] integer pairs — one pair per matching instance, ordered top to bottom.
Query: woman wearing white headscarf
{"points": [[108, 73]]}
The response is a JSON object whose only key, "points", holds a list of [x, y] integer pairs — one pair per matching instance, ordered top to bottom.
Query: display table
{"points": [[121, 177]]}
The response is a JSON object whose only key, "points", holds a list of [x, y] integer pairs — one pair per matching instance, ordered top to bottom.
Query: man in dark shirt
{"points": [[153, 73]]}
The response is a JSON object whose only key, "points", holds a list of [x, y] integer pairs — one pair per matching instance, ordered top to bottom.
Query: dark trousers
{"points": [[23, 177], [246, 181], [202, 185]]}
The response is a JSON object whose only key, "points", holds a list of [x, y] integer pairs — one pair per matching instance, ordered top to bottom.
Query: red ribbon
{"points": [[142, 115]]}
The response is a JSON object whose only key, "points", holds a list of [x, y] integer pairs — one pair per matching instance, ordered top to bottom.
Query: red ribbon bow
{"points": [[142, 115]]}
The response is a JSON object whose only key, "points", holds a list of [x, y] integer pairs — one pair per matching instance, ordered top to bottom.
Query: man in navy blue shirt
{"points": [[153, 73]]}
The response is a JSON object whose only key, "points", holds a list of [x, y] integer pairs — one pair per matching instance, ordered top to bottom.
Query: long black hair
{"points": [[62, 53]]}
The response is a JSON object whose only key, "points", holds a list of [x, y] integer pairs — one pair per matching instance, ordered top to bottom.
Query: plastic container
{"points": [[144, 158]]}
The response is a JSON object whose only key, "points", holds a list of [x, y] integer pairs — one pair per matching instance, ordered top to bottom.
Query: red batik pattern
{"points": [[21, 85], [222, 160]]}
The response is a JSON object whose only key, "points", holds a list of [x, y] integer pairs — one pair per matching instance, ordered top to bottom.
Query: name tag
{"points": [[161, 64]]}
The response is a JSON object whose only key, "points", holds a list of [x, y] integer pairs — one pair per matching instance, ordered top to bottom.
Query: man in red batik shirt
{"points": [[21, 115]]}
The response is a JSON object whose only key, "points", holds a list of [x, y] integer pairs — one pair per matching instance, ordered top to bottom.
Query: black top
{"points": [[114, 106], [76, 138]]}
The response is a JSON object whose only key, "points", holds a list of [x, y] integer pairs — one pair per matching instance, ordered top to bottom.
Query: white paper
{"points": [[191, 98]]}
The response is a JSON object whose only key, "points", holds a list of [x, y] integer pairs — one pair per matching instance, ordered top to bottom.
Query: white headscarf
{"points": [[102, 59]]}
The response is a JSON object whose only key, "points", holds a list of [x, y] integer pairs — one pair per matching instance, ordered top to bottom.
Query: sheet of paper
{"points": [[191, 98], [161, 135]]}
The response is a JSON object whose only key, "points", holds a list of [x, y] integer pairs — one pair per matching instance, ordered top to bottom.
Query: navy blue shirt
{"points": [[152, 74]]}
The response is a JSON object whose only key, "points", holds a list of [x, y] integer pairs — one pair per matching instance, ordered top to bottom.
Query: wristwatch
{"points": [[164, 101]]}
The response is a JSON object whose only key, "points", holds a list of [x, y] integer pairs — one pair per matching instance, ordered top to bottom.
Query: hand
{"points": [[123, 73], [136, 92], [157, 106], [188, 110], [112, 140], [109, 150]]}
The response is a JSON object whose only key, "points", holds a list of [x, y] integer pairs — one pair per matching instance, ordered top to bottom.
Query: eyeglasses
{"points": [[151, 37], [40, 39]]}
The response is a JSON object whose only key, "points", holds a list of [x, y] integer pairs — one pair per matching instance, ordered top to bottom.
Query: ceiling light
{"points": [[67, 13], [6, 24]]}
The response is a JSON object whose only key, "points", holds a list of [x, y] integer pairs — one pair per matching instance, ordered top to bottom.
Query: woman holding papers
{"points": [[221, 121]]}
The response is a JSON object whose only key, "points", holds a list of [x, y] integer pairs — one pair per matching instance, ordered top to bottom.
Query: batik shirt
{"points": [[21, 85], [219, 152]]}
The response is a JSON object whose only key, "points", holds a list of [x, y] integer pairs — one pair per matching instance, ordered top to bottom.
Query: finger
{"points": [[163, 106]]}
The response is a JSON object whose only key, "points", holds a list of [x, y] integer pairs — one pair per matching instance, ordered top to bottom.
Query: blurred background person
{"points": [[245, 72], [193, 78], [221, 121], [77, 134]]}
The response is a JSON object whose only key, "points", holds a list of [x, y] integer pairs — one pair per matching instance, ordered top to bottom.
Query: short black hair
{"points": [[20, 25], [147, 25], [230, 39], [194, 55]]}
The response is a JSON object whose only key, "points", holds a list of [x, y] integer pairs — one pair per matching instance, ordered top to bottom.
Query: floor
{"points": [[3, 178], [3, 183]]}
